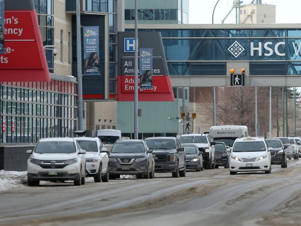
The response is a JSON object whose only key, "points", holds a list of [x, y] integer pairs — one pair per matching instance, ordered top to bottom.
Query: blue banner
{"points": [[1, 26], [91, 50], [146, 68]]}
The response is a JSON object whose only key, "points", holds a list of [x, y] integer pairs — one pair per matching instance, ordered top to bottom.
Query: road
{"points": [[210, 197]]}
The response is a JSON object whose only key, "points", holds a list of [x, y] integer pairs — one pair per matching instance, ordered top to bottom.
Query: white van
{"points": [[227, 133], [108, 137]]}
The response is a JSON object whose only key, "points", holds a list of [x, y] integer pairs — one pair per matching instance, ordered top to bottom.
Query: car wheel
{"points": [[284, 164], [227, 165], [268, 171], [177, 172], [183, 173], [233, 173], [139, 176], [97, 177], [106, 177], [78, 181], [32, 182]]}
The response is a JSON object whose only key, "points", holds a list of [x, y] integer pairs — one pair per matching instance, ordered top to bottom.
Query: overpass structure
{"points": [[202, 55]]}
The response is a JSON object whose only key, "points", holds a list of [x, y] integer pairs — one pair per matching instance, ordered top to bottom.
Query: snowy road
{"points": [[211, 197]]}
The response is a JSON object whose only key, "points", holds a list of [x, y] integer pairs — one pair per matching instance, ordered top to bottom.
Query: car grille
{"points": [[161, 158], [248, 159], [125, 160], [53, 164], [251, 167]]}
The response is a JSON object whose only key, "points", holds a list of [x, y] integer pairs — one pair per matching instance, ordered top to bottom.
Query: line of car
{"points": [[63, 159]]}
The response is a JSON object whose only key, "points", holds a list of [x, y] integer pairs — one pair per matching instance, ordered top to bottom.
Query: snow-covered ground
{"points": [[11, 179]]}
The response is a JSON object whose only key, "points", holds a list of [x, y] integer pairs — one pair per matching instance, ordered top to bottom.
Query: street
{"points": [[210, 197]]}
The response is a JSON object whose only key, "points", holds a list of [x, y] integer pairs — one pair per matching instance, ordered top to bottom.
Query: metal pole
{"points": [[214, 11], [79, 67], [136, 73], [282, 103], [214, 106], [184, 108], [286, 110], [277, 112], [256, 113], [270, 113], [295, 132]]}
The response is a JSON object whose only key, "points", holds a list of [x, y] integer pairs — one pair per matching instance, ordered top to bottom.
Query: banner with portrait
{"points": [[2, 26], [91, 50], [146, 68]]}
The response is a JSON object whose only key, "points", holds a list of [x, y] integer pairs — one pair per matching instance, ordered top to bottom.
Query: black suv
{"points": [[169, 155], [221, 155], [278, 155], [131, 157]]}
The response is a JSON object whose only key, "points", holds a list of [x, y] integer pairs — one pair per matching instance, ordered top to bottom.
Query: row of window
{"points": [[100, 5], [152, 14], [229, 33], [30, 111]]}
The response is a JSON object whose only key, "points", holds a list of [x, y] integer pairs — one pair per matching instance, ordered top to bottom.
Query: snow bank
{"points": [[11, 179]]}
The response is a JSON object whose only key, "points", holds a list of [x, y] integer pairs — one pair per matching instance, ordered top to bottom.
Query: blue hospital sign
{"points": [[129, 45]]}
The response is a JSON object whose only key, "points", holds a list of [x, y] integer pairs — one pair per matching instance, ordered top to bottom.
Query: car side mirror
{"points": [[181, 149], [270, 149], [29, 152], [82, 152]]}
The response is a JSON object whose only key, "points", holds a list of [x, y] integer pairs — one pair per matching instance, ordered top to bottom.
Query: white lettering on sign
{"points": [[13, 31], [297, 48], [266, 49], [129, 85]]}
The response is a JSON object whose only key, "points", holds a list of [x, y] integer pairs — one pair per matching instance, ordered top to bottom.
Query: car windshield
{"points": [[108, 139], [193, 139], [228, 140], [284, 140], [291, 141], [161, 143], [274, 143], [88, 145], [249, 146], [50, 147], [128, 147], [220, 148], [190, 150]]}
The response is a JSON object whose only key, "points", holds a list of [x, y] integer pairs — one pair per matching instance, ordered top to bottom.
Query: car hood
{"points": [[162, 151], [248, 154], [90, 155], [127, 155], [55, 156]]}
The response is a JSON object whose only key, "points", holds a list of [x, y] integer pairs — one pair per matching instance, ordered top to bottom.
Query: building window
{"points": [[45, 11], [62, 46]]}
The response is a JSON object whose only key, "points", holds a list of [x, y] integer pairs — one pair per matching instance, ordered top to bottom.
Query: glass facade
{"points": [[110, 7], [44, 9], [269, 51], [33, 110]]}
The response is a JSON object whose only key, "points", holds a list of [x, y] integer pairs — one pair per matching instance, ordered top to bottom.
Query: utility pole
{"points": [[79, 67], [136, 73]]}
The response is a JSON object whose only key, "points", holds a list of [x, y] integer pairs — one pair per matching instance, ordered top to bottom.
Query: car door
{"points": [[105, 158]]}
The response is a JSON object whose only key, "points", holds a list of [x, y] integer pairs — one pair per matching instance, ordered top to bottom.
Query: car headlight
{"points": [[207, 149], [280, 152], [224, 155], [173, 157], [262, 157], [235, 158], [113, 159], [92, 160], [195, 160], [35, 161], [71, 161]]}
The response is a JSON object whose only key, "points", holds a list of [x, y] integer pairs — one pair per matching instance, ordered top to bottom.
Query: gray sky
{"points": [[287, 11]]}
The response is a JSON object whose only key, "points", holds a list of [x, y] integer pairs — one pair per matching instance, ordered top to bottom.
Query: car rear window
{"points": [[88, 145]]}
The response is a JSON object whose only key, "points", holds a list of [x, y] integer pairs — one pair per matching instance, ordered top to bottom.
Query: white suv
{"points": [[250, 154], [56, 159], [97, 159]]}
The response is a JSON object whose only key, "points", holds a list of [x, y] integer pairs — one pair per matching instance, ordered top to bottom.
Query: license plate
{"points": [[249, 165], [125, 167], [52, 173]]}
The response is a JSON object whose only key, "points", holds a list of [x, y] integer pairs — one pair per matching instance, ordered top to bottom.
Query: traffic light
{"points": [[232, 71], [243, 71], [182, 115], [193, 115]]}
